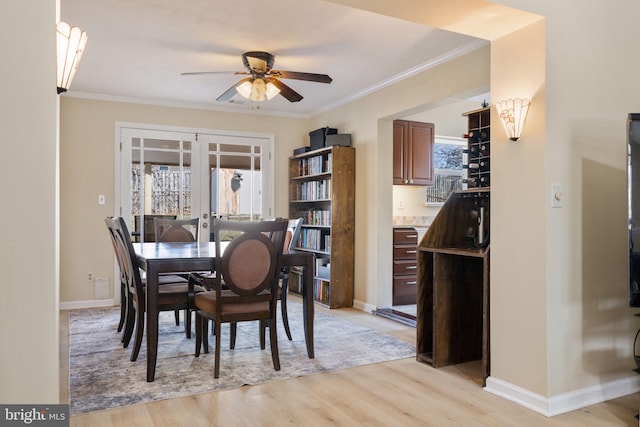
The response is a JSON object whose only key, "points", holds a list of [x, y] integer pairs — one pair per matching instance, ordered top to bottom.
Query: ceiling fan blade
{"points": [[197, 73], [296, 75], [286, 91], [228, 94]]}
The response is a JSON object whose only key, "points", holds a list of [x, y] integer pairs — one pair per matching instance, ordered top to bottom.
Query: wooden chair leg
{"points": [[283, 305], [123, 306], [176, 313], [199, 320], [130, 322], [187, 322], [263, 326], [234, 331], [139, 333], [205, 334], [274, 344], [216, 369]]}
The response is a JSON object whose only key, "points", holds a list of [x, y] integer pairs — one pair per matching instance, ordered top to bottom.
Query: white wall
{"points": [[29, 362]]}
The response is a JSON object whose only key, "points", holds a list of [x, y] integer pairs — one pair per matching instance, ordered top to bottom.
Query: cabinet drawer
{"points": [[405, 236], [404, 252], [405, 267], [405, 285], [405, 291]]}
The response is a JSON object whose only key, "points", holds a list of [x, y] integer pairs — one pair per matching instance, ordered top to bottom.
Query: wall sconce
{"points": [[70, 44], [512, 113]]}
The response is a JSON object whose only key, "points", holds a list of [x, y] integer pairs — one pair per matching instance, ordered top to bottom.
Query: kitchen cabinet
{"points": [[413, 153], [405, 261]]}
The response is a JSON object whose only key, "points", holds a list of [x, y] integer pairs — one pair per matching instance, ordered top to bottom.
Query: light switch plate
{"points": [[556, 195], [101, 199]]}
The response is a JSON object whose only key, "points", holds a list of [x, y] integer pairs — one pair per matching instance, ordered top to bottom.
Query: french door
{"points": [[181, 173]]}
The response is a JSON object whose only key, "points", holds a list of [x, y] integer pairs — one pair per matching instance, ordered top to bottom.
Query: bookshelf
{"points": [[322, 192]]}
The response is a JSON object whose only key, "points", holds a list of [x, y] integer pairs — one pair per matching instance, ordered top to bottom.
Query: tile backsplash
{"points": [[417, 221]]}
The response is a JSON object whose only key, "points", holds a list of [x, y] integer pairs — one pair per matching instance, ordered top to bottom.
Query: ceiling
{"points": [[137, 49]]}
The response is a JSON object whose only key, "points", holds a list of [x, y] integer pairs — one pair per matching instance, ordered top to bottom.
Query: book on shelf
{"points": [[315, 165], [314, 190], [321, 217], [314, 239], [321, 290]]}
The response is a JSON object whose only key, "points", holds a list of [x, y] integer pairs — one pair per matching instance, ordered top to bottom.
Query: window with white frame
{"points": [[449, 156]]}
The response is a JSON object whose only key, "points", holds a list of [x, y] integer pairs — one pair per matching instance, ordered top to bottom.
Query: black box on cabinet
{"points": [[317, 137], [343, 139], [300, 150]]}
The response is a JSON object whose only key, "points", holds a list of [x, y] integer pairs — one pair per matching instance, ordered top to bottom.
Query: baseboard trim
{"points": [[75, 305], [363, 306], [564, 402]]}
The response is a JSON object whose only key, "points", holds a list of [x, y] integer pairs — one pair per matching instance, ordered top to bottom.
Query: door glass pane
{"points": [[160, 183], [236, 183]]}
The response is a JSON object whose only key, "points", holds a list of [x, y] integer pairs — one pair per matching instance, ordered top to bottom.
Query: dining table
{"points": [[158, 258]]}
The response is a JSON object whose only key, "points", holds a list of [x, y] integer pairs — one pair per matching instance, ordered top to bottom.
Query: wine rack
{"points": [[478, 148]]}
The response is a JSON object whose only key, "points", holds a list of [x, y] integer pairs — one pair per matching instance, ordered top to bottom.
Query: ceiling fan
{"points": [[264, 82]]}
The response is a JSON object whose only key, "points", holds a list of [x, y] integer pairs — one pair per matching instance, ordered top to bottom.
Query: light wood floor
{"points": [[398, 393]]}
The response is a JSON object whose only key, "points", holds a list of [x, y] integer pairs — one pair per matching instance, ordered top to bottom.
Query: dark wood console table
{"points": [[453, 284]]}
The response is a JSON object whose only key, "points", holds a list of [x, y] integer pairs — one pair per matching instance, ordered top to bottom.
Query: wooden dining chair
{"points": [[176, 230], [291, 239], [121, 278], [244, 285], [172, 296]]}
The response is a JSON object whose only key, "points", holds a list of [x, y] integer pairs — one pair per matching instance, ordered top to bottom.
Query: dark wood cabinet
{"points": [[413, 153], [405, 262], [453, 283]]}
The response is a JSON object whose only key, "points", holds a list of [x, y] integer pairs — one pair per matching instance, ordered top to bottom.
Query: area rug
{"points": [[102, 377]]}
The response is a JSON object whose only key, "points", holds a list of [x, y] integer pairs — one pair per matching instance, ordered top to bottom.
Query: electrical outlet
{"points": [[90, 277]]}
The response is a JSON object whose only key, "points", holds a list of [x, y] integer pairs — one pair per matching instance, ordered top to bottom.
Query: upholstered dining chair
{"points": [[178, 230], [244, 284], [172, 296]]}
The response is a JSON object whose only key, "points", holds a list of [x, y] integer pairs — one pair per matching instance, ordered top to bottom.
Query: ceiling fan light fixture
{"points": [[244, 89], [257, 90], [272, 90]]}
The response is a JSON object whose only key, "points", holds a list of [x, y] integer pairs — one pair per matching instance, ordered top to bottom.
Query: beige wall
{"points": [[369, 120], [87, 129], [518, 216], [560, 321], [561, 329], [29, 362]]}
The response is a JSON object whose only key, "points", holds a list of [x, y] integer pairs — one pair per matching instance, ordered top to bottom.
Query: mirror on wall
{"points": [[633, 175]]}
